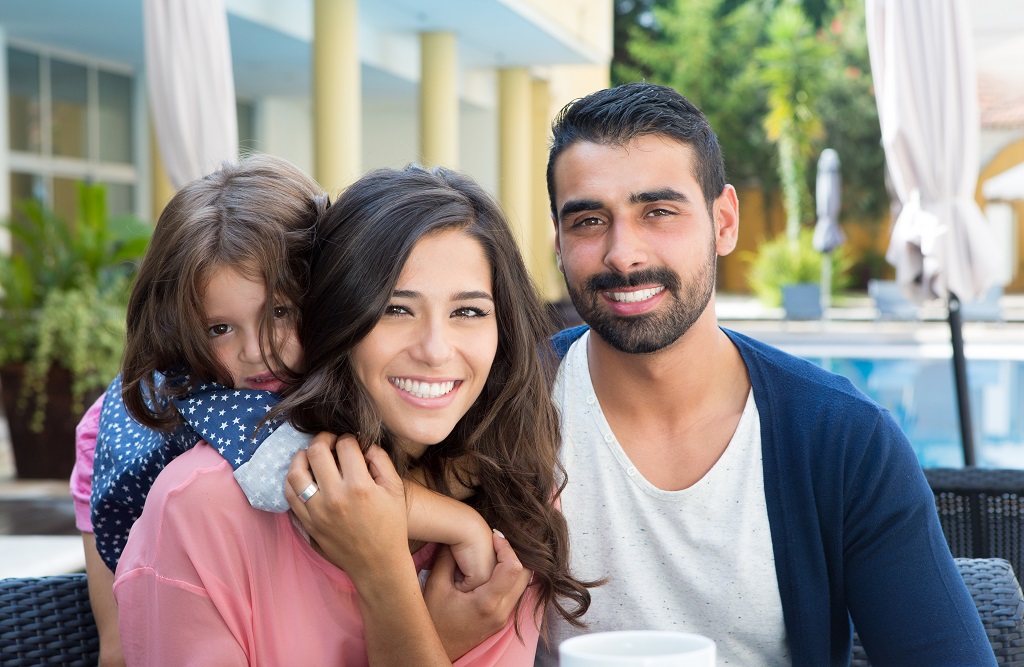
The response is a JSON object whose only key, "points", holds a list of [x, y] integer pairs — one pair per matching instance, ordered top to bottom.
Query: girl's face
{"points": [[234, 307], [427, 359]]}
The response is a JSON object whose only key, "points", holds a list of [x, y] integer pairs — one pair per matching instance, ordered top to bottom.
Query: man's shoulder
{"points": [[563, 340]]}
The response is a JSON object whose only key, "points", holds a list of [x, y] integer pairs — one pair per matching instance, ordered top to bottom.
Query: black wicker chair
{"points": [[981, 512], [997, 594], [47, 621]]}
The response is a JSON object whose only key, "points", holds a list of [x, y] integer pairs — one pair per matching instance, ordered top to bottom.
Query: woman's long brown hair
{"points": [[509, 439]]}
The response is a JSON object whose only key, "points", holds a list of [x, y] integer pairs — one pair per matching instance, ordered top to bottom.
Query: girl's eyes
{"points": [[395, 310], [281, 312], [219, 330]]}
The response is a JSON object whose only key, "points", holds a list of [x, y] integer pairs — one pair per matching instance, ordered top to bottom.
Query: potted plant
{"points": [[787, 273], [63, 293]]}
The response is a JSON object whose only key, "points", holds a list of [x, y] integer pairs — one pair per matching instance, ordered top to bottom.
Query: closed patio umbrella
{"points": [[922, 63], [828, 235]]}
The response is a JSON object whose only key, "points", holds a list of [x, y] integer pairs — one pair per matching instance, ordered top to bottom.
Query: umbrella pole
{"points": [[826, 281], [963, 398]]}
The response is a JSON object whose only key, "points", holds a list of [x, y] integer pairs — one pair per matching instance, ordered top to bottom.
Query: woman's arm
{"points": [[365, 497], [358, 518], [477, 626]]}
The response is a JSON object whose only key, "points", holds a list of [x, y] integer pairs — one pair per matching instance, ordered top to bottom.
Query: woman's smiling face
{"points": [[427, 359]]}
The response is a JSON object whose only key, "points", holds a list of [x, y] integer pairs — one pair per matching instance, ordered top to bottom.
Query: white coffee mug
{"points": [[637, 648]]}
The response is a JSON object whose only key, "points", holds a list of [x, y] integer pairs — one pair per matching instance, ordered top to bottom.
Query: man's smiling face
{"points": [[635, 240]]}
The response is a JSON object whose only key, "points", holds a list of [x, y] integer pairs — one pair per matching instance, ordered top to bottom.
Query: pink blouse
{"points": [[81, 474], [205, 579]]}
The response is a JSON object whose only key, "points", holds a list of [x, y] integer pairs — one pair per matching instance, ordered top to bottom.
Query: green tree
{"points": [[703, 52], [726, 56], [791, 67], [850, 116]]}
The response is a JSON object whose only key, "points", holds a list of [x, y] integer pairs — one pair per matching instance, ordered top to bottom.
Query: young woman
{"points": [[214, 306], [424, 337]]}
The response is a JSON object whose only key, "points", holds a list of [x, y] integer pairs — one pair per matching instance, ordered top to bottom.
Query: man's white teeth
{"points": [[633, 297], [423, 389]]}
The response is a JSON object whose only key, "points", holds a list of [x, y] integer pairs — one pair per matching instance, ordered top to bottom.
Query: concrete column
{"points": [[337, 93], [439, 99], [515, 148], [160, 186], [549, 280]]}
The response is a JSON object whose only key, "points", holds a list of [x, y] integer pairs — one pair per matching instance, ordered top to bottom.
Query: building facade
{"points": [[336, 86]]}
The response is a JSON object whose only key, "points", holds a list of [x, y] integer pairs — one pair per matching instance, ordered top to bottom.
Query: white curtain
{"points": [[922, 63], [191, 85]]}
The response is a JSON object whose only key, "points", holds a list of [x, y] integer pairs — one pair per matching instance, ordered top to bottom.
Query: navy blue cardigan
{"points": [[853, 523]]}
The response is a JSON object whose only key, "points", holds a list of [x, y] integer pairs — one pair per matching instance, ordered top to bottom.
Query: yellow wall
{"points": [[589, 21], [565, 83], [1010, 156]]}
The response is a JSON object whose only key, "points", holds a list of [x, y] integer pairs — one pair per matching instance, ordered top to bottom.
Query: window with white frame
{"points": [[70, 120]]}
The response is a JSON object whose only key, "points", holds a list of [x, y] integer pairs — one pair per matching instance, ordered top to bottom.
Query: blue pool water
{"points": [[919, 392]]}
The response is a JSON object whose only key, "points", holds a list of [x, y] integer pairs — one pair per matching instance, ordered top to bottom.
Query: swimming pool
{"points": [[916, 385]]}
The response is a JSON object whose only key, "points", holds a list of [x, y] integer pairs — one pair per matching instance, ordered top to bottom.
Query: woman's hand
{"points": [[358, 514], [358, 517], [465, 619]]}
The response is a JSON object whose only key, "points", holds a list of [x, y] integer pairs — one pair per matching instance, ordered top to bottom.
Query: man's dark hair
{"points": [[616, 116]]}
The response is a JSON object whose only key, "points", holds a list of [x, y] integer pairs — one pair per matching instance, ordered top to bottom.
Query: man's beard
{"points": [[649, 332]]}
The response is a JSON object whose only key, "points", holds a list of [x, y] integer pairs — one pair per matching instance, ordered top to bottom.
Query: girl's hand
{"points": [[358, 514], [475, 558], [465, 619]]}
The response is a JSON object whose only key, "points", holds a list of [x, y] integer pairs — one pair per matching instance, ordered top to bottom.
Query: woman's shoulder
{"points": [[201, 476]]}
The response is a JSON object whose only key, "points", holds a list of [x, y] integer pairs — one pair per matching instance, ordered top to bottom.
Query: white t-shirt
{"points": [[696, 560]]}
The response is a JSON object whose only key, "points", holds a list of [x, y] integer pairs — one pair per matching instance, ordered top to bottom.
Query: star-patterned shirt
{"points": [[129, 455]]}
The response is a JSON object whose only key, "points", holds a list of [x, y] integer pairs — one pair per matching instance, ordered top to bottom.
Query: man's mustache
{"points": [[662, 276]]}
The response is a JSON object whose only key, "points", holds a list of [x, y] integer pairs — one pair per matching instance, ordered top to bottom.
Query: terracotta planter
{"points": [[50, 454]]}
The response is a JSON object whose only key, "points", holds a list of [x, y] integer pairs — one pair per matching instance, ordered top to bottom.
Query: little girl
{"points": [[216, 295]]}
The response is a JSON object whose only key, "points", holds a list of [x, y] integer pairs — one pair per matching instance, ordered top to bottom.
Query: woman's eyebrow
{"points": [[456, 296], [468, 296]]}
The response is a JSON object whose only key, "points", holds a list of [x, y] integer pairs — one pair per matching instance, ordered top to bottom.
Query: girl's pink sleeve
{"points": [[81, 476], [505, 648]]}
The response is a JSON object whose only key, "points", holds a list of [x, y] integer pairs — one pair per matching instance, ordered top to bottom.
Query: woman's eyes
{"points": [[395, 310], [281, 312], [470, 312], [219, 330]]}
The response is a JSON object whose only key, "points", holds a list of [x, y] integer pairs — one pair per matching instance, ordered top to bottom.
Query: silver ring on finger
{"points": [[308, 492]]}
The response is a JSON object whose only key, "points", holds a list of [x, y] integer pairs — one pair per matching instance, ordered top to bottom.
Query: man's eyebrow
{"points": [[663, 194], [578, 205]]}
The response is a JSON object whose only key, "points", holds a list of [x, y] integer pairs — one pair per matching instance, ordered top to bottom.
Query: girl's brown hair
{"points": [[256, 217], [509, 438]]}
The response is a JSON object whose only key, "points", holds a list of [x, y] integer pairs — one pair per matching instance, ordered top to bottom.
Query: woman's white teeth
{"points": [[633, 297], [423, 389]]}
